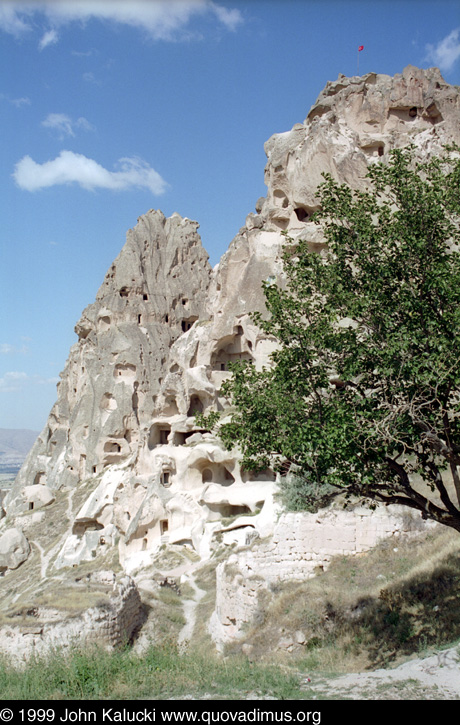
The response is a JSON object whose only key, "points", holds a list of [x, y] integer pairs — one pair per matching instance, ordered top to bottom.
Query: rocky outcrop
{"points": [[354, 122], [153, 349], [14, 549]]}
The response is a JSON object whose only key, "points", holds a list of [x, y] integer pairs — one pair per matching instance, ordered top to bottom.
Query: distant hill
{"points": [[14, 447]]}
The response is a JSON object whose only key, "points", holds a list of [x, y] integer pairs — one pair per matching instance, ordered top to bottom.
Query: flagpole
{"points": [[360, 48]]}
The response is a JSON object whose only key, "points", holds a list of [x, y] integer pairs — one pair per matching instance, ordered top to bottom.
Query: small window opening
{"points": [[413, 112], [124, 292], [145, 297], [166, 318], [186, 325], [206, 476], [165, 479], [31, 505], [164, 527]]}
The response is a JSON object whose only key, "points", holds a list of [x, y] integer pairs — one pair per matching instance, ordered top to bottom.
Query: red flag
{"points": [[361, 47]]}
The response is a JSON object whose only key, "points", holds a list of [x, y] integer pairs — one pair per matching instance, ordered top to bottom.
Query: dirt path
{"points": [[189, 609], [436, 677]]}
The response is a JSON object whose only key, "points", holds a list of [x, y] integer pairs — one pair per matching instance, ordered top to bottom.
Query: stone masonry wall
{"points": [[302, 544], [111, 624]]}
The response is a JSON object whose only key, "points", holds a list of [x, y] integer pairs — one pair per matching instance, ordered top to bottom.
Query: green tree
{"points": [[363, 393]]}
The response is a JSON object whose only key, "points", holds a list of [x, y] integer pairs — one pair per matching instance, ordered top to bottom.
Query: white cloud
{"points": [[160, 19], [11, 20], [49, 38], [446, 52], [89, 77], [18, 102], [64, 125], [70, 167], [7, 349], [13, 382]]}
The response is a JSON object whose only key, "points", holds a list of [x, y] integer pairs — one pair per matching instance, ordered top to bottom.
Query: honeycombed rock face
{"points": [[354, 122], [154, 290], [121, 458]]}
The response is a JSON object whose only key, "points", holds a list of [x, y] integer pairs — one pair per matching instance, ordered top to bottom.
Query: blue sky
{"points": [[112, 107]]}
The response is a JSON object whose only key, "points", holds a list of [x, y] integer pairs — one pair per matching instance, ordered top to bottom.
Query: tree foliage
{"points": [[363, 393]]}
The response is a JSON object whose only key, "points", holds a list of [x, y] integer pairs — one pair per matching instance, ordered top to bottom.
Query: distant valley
{"points": [[14, 447]]}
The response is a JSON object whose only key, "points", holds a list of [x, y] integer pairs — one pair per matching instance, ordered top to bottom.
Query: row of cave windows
{"points": [[186, 324], [159, 436], [220, 475]]}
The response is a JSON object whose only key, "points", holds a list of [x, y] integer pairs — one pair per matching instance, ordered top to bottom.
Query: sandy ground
{"points": [[436, 677]]}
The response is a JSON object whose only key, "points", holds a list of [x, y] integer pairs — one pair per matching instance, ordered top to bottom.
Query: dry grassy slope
{"points": [[369, 611]]}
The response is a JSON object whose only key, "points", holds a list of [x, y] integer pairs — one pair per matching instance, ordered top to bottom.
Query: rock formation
{"points": [[121, 457]]}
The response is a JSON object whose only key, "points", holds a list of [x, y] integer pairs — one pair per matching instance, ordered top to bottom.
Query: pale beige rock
{"points": [[154, 350], [14, 549]]}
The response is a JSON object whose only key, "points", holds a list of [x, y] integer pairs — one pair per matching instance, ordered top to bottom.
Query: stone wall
{"points": [[302, 544], [111, 623]]}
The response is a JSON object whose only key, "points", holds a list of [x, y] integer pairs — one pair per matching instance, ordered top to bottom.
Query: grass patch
{"points": [[367, 611], [158, 673]]}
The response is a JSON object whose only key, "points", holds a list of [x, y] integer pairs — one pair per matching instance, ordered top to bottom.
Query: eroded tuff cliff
{"points": [[121, 447]]}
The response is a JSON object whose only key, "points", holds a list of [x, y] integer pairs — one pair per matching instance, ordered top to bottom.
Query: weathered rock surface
{"points": [[153, 350], [14, 549]]}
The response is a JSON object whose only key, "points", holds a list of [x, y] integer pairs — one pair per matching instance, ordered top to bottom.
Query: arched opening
{"points": [[301, 214], [187, 323], [232, 352], [170, 406], [196, 406], [158, 435], [180, 437], [112, 447], [216, 473], [206, 476]]}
